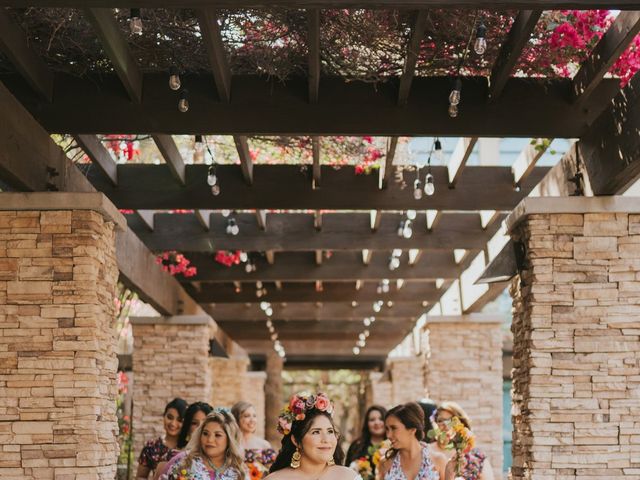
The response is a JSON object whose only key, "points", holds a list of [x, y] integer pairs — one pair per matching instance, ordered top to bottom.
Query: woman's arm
{"points": [[439, 463], [383, 468], [487, 471]]}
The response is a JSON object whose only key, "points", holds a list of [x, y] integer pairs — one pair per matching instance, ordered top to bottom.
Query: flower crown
{"points": [[299, 405]]}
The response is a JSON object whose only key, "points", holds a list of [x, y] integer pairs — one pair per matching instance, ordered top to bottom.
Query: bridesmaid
{"points": [[372, 435], [162, 449], [258, 454], [409, 458], [476, 465]]}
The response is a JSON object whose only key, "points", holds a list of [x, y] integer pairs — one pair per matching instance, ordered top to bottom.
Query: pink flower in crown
{"points": [[310, 402], [323, 404], [298, 407], [284, 425]]}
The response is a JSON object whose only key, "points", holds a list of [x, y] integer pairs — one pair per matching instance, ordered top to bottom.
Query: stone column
{"points": [[170, 359], [58, 362], [465, 365], [576, 376], [407, 379], [228, 380], [379, 390], [253, 392], [273, 398]]}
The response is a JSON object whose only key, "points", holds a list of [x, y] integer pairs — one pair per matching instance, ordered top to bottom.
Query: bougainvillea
{"points": [[227, 258], [176, 264]]}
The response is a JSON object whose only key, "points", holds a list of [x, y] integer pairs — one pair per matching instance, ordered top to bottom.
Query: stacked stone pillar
{"points": [[170, 359], [58, 362], [465, 365], [576, 377], [228, 380], [273, 397]]}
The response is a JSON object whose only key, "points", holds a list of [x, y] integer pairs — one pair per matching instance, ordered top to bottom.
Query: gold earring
{"points": [[295, 459], [331, 462]]}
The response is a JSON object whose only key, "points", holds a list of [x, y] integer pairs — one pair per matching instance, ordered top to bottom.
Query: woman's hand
{"points": [[450, 469]]}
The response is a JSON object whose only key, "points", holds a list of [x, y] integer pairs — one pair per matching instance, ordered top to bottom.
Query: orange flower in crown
{"points": [[299, 405]]}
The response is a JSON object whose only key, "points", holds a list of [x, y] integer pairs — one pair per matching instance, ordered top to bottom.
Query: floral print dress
{"points": [[154, 452], [258, 461], [474, 461], [198, 471], [426, 471]]}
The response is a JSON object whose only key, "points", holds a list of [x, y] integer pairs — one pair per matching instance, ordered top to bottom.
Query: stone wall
{"points": [[170, 359], [58, 364], [465, 366], [576, 378], [407, 379], [228, 380], [379, 390]]}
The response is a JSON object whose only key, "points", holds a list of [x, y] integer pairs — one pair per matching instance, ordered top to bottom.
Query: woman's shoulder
{"points": [[154, 442], [338, 472]]}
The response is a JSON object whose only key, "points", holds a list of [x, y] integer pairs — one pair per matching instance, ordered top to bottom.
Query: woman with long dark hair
{"points": [[370, 438], [310, 442], [409, 458]]}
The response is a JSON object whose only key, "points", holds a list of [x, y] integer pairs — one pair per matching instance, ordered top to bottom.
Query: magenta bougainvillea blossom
{"points": [[176, 264]]}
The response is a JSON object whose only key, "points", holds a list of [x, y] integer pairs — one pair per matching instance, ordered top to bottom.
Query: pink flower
{"points": [[322, 403]]}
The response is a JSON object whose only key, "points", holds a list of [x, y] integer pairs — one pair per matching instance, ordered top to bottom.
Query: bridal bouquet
{"points": [[457, 437]]}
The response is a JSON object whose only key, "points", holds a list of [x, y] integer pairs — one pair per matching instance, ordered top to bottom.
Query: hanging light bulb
{"points": [[135, 22], [480, 45], [174, 78], [456, 94], [183, 103], [453, 111], [198, 145], [437, 150], [212, 179], [429, 186], [417, 189], [225, 213], [411, 214], [232, 227], [401, 228], [407, 231], [244, 257], [394, 263], [248, 268], [379, 289], [264, 305], [377, 307], [269, 311], [367, 322], [366, 334], [361, 336], [274, 337], [361, 343], [356, 351]]}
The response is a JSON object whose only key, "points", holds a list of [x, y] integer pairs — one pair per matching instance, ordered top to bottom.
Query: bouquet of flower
{"points": [[457, 437], [363, 466], [257, 471]]}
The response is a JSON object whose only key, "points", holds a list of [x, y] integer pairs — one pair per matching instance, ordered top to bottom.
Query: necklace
{"points": [[217, 471]]}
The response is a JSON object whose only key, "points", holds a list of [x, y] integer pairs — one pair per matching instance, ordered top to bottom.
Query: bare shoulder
{"points": [[264, 445], [438, 457]]}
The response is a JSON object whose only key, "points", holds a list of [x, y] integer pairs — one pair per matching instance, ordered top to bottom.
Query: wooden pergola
{"points": [[318, 303]]}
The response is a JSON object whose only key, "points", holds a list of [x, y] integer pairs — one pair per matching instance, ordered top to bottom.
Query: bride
{"points": [[310, 443]]}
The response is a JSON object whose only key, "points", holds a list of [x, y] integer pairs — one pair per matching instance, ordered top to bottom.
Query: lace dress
{"points": [[426, 471]]}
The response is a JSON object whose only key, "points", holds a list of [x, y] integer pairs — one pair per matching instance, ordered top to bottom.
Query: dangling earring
{"points": [[295, 459], [331, 462]]}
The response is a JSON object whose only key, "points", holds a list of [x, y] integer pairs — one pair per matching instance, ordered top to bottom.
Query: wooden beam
{"points": [[336, 4], [210, 30], [519, 35], [313, 42], [14, 44], [612, 44], [117, 49], [411, 56], [262, 107], [392, 144], [315, 145], [611, 149], [169, 151], [99, 155], [459, 158], [528, 158], [246, 164], [152, 187], [147, 218], [204, 218], [261, 219], [375, 219], [317, 220], [295, 232], [270, 255], [319, 256], [366, 256], [415, 257], [343, 267], [319, 286], [493, 292], [225, 293], [297, 311]]}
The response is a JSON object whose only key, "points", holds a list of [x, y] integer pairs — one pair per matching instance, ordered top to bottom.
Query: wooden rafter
{"points": [[212, 39], [313, 41], [612, 44], [14, 45], [116, 48], [511, 49], [411, 56], [260, 107], [392, 144], [315, 145], [169, 151], [99, 155], [459, 158], [527, 159], [246, 164], [153, 187], [147, 217], [204, 217], [261, 219], [375, 219], [295, 232], [270, 255], [319, 256], [366, 256], [344, 267]]}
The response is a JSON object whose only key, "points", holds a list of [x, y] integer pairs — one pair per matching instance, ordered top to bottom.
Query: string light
{"points": [[135, 22], [480, 45], [174, 78], [183, 103], [198, 144], [437, 150], [429, 186], [417, 189], [232, 227]]}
